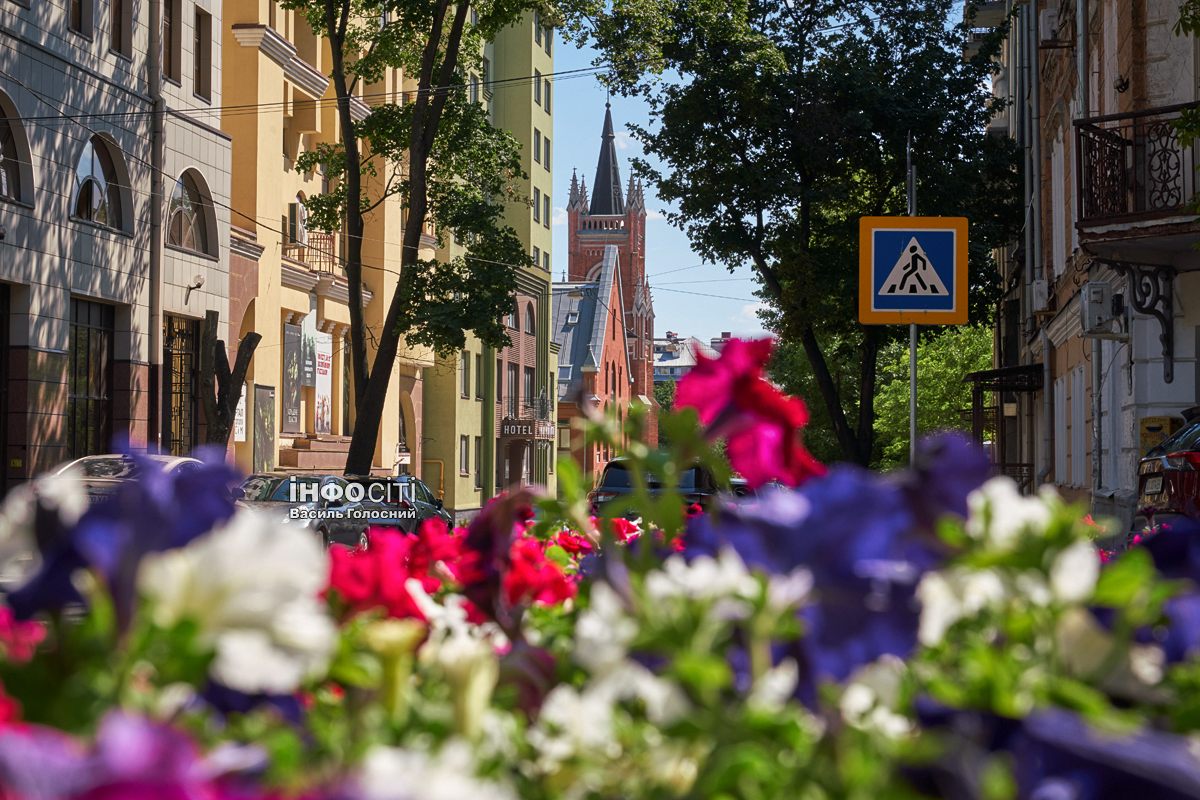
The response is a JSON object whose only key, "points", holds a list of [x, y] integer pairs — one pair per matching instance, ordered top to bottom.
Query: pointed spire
{"points": [[630, 193], [607, 199], [583, 201]]}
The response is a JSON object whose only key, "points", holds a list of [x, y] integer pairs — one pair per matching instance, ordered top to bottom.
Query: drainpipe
{"points": [[1082, 56], [1083, 80], [1023, 112], [1039, 256], [1047, 409], [154, 432]]}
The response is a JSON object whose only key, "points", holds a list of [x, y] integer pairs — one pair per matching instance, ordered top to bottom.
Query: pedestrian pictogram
{"points": [[913, 270], [912, 274]]}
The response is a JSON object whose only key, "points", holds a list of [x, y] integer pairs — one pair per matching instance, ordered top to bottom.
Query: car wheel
{"points": [[364, 541]]}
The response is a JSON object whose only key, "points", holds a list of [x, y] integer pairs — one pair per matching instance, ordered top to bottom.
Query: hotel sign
{"points": [[527, 428]]}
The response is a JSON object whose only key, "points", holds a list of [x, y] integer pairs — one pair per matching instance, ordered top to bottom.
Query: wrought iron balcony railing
{"points": [[1132, 167], [320, 252]]}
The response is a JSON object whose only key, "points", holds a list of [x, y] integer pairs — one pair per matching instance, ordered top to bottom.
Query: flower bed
{"points": [[928, 633]]}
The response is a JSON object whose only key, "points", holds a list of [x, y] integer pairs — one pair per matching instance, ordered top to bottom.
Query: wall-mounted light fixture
{"points": [[1121, 84], [197, 282]]}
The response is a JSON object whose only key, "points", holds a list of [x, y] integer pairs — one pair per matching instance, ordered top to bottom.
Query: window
{"points": [[80, 16], [474, 18], [119, 22], [537, 27], [171, 32], [549, 39], [202, 55], [486, 68], [537, 87], [547, 87], [474, 88], [537, 145], [546, 152], [10, 165], [97, 197], [537, 205], [545, 211], [186, 216], [297, 222], [537, 255], [546, 261], [573, 311], [510, 319], [530, 320], [181, 356], [465, 371], [564, 372], [478, 377], [499, 381], [527, 387], [90, 389], [511, 397], [478, 462], [464, 464]]}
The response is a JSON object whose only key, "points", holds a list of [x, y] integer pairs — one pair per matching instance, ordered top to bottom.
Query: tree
{"points": [[767, 85], [442, 156], [942, 362], [220, 388], [664, 395]]}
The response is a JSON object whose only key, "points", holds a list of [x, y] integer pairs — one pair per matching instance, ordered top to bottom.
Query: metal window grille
{"points": [[181, 345], [90, 389]]}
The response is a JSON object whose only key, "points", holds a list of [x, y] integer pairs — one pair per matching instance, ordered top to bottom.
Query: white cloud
{"points": [[623, 139], [655, 215], [560, 216], [749, 314]]}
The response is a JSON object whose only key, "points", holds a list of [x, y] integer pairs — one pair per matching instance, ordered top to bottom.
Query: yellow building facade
{"points": [[288, 283]]}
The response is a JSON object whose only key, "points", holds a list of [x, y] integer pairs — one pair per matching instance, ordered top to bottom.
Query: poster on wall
{"points": [[308, 345], [291, 379], [323, 415], [239, 418], [264, 428]]}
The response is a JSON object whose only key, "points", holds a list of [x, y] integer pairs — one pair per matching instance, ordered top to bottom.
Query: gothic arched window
{"points": [[97, 197], [187, 223]]}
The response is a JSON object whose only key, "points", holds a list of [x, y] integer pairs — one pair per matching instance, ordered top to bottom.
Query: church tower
{"points": [[616, 218]]}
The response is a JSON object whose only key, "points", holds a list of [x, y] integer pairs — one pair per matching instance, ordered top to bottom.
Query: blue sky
{"points": [[682, 279]]}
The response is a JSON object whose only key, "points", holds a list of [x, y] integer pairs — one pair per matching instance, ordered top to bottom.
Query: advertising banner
{"points": [[308, 345], [291, 379], [323, 415], [239, 418]]}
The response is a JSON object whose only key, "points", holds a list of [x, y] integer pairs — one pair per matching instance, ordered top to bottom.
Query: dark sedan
{"points": [[1169, 476], [696, 484]]}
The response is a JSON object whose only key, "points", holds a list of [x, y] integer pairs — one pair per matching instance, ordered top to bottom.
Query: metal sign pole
{"points": [[912, 328]]}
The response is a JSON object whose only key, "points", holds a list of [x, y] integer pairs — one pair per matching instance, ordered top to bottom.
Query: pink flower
{"points": [[760, 424], [574, 543], [532, 578], [19, 639]]}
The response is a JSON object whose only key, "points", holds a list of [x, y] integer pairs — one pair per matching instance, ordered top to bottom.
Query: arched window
{"points": [[10, 173], [97, 196], [187, 218], [530, 320]]}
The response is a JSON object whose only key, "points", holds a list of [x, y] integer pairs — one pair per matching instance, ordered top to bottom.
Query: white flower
{"points": [[999, 513], [19, 558], [1074, 572], [705, 578], [1031, 584], [252, 588], [787, 591], [952, 594], [604, 630], [772, 691], [869, 701], [572, 722], [390, 773]]}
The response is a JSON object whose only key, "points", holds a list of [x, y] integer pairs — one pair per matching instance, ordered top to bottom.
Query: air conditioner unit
{"points": [[1048, 27], [1041, 296], [1095, 307]]}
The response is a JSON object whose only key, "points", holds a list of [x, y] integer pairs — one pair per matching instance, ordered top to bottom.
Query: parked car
{"points": [[101, 475], [1169, 475], [696, 484], [339, 520]]}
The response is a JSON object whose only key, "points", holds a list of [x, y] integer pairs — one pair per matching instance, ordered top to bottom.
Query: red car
{"points": [[1169, 476]]}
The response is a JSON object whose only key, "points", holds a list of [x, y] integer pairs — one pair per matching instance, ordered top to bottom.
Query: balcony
{"points": [[1131, 167], [320, 253]]}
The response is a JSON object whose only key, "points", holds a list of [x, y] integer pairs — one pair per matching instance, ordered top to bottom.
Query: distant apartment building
{"points": [[114, 224], [289, 282], [1099, 326], [674, 356], [490, 413]]}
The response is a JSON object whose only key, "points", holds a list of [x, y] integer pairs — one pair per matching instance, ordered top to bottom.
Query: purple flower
{"points": [[948, 467], [153, 512], [1176, 549], [230, 701]]}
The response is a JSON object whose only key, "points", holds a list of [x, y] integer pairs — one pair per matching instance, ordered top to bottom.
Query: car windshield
{"points": [[1186, 438], [107, 467], [618, 476], [272, 489]]}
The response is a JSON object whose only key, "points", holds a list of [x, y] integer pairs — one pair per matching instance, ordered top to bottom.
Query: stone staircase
{"points": [[316, 453]]}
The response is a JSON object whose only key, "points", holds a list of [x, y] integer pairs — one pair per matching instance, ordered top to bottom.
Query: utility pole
{"points": [[912, 327]]}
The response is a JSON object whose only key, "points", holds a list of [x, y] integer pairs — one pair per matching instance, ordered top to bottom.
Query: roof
{"points": [[606, 191], [582, 340], [685, 356]]}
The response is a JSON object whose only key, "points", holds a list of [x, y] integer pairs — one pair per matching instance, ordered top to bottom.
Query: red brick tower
{"points": [[617, 218]]}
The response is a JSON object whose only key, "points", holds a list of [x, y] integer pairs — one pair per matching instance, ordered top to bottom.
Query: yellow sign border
{"points": [[866, 284]]}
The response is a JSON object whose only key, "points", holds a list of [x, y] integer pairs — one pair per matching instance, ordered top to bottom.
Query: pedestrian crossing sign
{"points": [[912, 269]]}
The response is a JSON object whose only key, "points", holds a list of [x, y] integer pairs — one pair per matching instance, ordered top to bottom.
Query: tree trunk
{"points": [[866, 393], [220, 400], [847, 439]]}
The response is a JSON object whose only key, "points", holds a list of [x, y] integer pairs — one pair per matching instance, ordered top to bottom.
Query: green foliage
{"points": [[789, 124], [944, 358], [791, 371], [664, 395]]}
